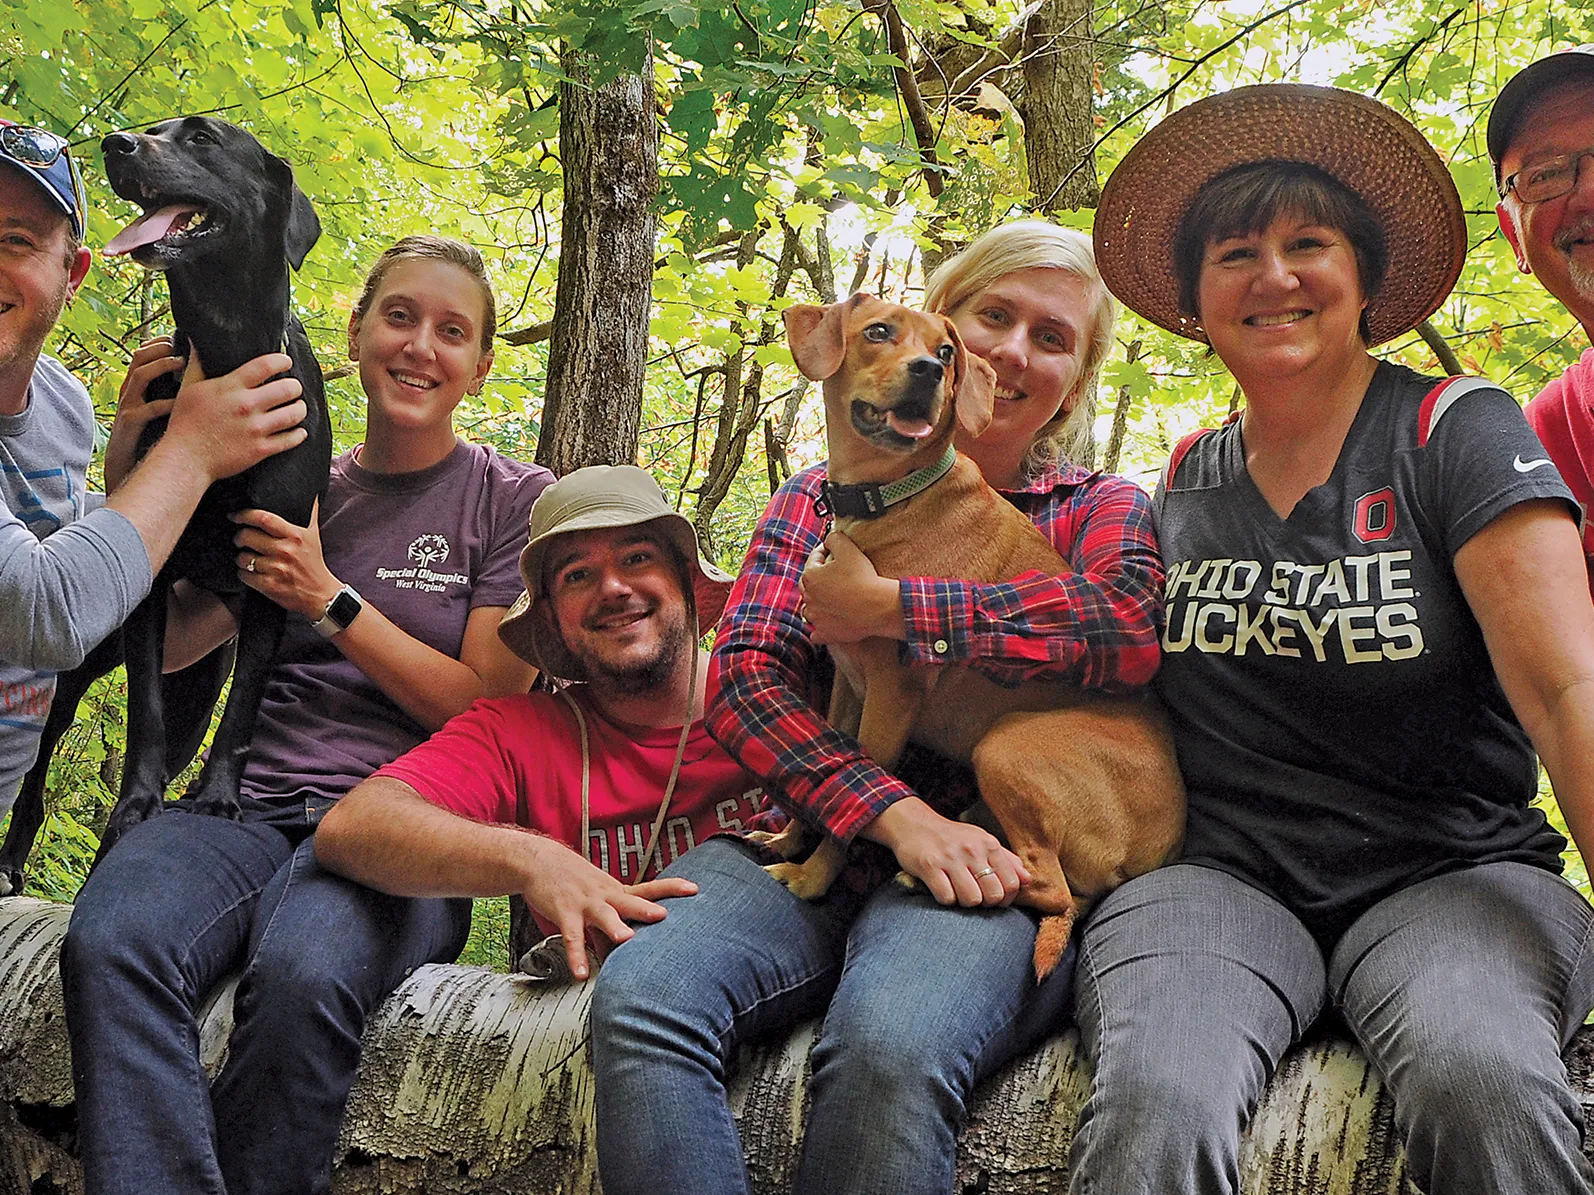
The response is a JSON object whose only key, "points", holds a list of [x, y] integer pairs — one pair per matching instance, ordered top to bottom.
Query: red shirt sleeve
{"points": [[1097, 627], [466, 767]]}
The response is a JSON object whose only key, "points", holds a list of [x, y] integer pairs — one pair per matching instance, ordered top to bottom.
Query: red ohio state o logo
{"points": [[1375, 516]]}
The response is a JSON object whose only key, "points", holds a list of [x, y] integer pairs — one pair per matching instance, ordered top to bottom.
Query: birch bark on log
{"points": [[476, 1082]]}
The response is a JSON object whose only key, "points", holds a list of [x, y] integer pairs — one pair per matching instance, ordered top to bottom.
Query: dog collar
{"points": [[868, 501]]}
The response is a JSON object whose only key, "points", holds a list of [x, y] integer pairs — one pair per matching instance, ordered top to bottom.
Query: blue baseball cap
{"points": [[44, 157]]}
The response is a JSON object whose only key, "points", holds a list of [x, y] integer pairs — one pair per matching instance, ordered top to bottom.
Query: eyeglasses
{"points": [[30, 146], [1549, 179]]}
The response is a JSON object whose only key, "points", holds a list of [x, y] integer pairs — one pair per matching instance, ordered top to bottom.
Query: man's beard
{"points": [[1578, 272], [641, 676]]}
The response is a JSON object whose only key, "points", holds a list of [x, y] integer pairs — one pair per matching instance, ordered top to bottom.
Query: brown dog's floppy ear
{"points": [[818, 337], [975, 396]]}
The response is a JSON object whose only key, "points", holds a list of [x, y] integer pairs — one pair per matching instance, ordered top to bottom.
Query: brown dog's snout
{"points": [[926, 371]]}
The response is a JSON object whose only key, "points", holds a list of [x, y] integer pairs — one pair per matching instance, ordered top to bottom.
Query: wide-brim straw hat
{"points": [[1370, 148], [589, 499]]}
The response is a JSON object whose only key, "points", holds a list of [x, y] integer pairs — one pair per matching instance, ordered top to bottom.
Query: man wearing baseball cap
{"points": [[1541, 141], [72, 570], [615, 775]]}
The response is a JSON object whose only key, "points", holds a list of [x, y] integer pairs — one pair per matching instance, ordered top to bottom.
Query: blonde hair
{"points": [[1029, 245], [434, 248]]}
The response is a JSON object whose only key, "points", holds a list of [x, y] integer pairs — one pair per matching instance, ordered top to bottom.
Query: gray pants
{"points": [[1463, 990]]}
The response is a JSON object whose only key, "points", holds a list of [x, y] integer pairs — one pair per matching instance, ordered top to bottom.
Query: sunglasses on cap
{"points": [[40, 149]]}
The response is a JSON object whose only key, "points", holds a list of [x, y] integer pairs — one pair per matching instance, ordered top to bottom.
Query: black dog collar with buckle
{"points": [[870, 501]]}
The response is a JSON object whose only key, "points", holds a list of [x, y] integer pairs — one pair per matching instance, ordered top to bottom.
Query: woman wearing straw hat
{"points": [[1377, 610]]}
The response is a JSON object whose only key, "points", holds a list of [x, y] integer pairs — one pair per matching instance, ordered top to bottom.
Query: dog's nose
{"points": [[119, 143], [925, 369]]}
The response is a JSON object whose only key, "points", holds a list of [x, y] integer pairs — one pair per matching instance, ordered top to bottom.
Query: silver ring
{"points": [[250, 567], [989, 871]]}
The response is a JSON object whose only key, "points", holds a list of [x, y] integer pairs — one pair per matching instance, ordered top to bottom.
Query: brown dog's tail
{"points": [[1050, 942]]}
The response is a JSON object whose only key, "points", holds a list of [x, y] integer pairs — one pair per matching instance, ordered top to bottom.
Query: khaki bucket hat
{"points": [[1363, 143], [598, 497]]}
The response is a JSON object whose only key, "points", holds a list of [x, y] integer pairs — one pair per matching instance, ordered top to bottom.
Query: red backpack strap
{"points": [[1440, 399], [1180, 451]]}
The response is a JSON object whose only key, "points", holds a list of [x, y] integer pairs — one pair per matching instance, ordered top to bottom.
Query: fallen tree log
{"points": [[477, 1082]]}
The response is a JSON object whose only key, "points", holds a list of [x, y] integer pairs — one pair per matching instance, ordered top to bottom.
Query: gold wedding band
{"points": [[250, 567], [989, 871]]}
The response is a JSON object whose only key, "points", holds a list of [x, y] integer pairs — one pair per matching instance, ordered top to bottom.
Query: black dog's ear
{"points": [[303, 227]]}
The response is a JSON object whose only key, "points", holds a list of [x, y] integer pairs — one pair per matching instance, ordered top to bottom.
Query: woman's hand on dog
{"points": [[230, 423], [288, 565], [844, 599], [959, 863], [574, 896]]}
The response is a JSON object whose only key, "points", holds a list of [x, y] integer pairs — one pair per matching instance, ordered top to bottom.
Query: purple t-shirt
{"points": [[425, 549]]}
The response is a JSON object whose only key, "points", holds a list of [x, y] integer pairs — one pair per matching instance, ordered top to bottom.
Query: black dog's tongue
{"points": [[148, 229]]}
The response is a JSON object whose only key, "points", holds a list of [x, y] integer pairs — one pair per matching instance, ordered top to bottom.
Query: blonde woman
{"points": [[921, 997]]}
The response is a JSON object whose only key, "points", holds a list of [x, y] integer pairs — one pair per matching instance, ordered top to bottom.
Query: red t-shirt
{"points": [[1563, 416], [527, 748]]}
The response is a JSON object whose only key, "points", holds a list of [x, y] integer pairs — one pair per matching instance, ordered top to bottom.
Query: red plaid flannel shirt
{"points": [[1097, 627]]}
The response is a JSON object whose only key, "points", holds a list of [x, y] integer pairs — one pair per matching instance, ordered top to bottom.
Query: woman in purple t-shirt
{"points": [[398, 588]]}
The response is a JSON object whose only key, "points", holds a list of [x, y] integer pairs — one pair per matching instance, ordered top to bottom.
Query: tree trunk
{"points": [[1059, 134], [1059, 138], [609, 153], [744, 383], [1120, 417]]}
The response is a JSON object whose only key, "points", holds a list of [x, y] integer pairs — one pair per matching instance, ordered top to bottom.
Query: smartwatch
{"points": [[340, 612]]}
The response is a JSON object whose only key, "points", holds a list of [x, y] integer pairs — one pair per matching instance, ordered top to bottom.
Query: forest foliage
{"points": [[791, 170]]}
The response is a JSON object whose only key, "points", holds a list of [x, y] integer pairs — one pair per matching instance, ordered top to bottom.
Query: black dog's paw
{"points": [[223, 807], [124, 817], [12, 880]]}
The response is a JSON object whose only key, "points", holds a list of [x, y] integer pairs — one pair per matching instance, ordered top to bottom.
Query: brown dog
{"points": [[1084, 786]]}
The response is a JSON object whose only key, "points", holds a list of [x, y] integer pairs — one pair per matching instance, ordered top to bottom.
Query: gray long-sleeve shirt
{"points": [[69, 574]]}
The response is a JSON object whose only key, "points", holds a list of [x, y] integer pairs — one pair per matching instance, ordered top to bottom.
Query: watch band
{"points": [[340, 612]]}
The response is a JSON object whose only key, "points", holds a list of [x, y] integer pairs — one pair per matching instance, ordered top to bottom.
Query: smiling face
{"points": [[1554, 238], [37, 277], [1282, 300], [1032, 327], [419, 346], [616, 600]]}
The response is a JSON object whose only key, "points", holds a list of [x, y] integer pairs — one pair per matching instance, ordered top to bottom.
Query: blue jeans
{"points": [[181, 902], [1462, 990], [920, 1003]]}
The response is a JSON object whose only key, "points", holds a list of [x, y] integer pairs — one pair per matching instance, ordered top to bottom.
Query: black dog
{"points": [[224, 220]]}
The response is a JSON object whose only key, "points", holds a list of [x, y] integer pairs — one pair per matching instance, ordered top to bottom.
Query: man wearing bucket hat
{"points": [[1541, 139], [70, 573], [1376, 611], [615, 773]]}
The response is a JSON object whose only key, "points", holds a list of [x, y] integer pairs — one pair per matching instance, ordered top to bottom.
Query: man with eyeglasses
{"points": [[1541, 141], [73, 566]]}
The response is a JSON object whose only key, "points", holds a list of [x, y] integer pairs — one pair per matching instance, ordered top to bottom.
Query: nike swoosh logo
{"points": [[1522, 466]]}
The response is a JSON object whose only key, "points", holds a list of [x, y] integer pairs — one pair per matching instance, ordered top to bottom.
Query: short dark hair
{"points": [[1246, 199]]}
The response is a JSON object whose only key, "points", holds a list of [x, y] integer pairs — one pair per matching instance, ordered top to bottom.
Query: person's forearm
{"points": [[159, 498], [62, 595], [197, 622], [426, 684], [1565, 742], [387, 836]]}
